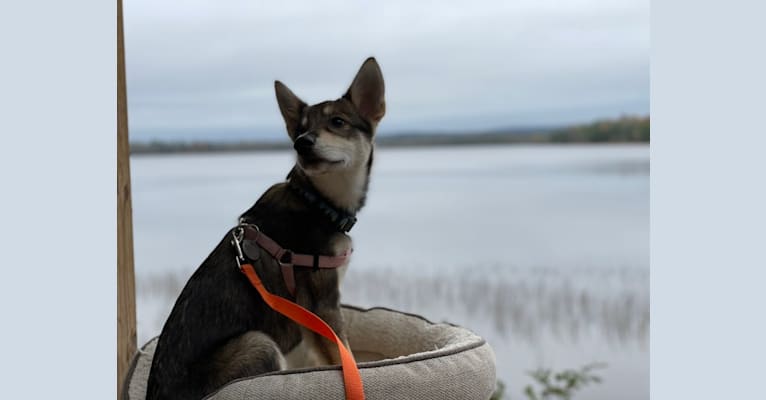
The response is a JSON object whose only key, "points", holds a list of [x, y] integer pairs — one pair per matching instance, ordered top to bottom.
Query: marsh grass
{"points": [[523, 304]]}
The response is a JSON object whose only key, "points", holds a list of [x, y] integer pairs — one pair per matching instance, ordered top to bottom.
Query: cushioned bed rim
{"points": [[365, 365]]}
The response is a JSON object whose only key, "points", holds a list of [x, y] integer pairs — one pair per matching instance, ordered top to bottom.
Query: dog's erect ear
{"points": [[367, 91], [291, 108]]}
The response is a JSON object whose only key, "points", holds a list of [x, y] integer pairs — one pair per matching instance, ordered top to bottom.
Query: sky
{"points": [[205, 70]]}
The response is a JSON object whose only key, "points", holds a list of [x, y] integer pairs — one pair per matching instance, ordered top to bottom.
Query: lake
{"points": [[543, 250]]}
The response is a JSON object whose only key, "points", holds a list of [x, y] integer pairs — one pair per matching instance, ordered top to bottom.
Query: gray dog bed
{"points": [[400, 356]]}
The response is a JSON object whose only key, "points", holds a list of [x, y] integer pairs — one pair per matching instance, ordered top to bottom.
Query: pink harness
{"points": [[287, 259]]}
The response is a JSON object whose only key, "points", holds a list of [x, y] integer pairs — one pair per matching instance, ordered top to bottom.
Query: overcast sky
{"points": [[205, 69]]}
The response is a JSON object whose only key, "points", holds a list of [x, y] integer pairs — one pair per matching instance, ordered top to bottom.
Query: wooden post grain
{"points": [[126, 293]]}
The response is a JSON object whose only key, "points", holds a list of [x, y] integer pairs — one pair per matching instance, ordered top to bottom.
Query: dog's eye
{"points": [[338, 122]]}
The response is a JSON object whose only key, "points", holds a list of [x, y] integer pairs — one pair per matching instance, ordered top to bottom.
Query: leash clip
{"points": [[238, 234]]}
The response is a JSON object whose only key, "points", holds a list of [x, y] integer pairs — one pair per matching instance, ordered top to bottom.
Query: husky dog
{"points": [[220, 329]]}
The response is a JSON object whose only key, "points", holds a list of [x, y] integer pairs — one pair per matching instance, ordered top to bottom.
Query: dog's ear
{"points": [[367, 91], [291, 108]]}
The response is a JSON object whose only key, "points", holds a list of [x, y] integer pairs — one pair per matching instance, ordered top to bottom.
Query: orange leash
{"points": [[352, 380]]}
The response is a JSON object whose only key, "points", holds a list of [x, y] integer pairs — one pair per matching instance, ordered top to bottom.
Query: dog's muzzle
{"points": [[304, 144]]}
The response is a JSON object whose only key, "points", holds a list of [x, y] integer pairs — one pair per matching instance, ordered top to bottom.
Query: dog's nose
{"points": [[304, 143]]}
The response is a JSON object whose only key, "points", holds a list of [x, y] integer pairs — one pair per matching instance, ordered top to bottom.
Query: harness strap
{"points": [[287, 259], [352, 380]]}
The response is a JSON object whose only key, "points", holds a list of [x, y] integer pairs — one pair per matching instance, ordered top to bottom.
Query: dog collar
{"points": [[341, 220]]}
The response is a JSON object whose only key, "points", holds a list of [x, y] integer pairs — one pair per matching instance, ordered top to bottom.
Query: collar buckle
{"points": [[347, 223]]}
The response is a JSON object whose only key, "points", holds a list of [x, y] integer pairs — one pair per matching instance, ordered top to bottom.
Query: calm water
{"points": [[543, 250]]}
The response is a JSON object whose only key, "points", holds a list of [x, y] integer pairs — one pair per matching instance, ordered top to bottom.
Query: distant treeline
{"points": [[626, 129], [621, 130]]}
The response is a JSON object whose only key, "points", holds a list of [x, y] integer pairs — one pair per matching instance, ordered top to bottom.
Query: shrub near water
{"points": [[560, 385]]}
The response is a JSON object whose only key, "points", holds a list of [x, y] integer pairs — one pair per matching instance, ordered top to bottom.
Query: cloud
{"points": [[205, 69]]}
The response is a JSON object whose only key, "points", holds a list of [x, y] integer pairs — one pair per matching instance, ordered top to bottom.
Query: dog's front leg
{"points": [[322, 297], [334, 318]]}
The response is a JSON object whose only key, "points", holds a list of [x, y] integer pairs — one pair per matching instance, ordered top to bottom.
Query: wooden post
{"points": [[126, 292]]}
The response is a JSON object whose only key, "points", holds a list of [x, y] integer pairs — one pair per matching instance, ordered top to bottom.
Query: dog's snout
{"points": [[305, 143]]}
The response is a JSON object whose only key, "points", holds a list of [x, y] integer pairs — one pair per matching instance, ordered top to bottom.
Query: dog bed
{"points": [[399, 355]]}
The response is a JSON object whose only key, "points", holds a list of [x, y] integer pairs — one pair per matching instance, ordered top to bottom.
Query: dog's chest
{"points": [[341, 243], [307, 353]]}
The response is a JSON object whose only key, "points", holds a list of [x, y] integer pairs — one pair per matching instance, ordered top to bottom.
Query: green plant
{"points": [[561, 385], [499, 391]]}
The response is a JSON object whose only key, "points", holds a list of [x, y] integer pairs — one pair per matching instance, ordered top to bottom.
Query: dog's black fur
{"points": [[220, 329]]}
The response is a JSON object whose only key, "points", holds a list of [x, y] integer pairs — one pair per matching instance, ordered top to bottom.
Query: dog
{"points": [[219, 328]]}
